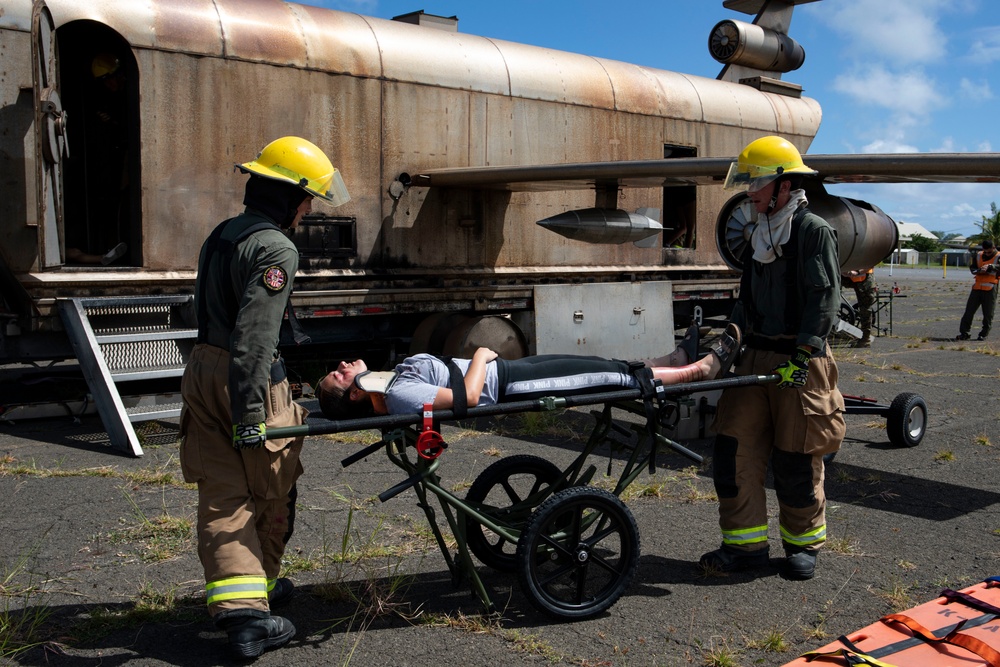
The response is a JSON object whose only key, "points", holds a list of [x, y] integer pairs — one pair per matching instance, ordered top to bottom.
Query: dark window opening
{"points": [[99, 82], [680, 214], [326, 239]]}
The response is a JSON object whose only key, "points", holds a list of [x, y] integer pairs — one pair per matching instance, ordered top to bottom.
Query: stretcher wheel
{"points": [[906, 420], [509, 490], [578, 554]]}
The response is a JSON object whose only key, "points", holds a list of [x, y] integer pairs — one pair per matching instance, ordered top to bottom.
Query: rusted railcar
{"points": [[203, 84]]}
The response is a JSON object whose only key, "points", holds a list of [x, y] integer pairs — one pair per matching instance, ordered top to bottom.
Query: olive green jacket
{"points": [[259, 275], [798, 294]]}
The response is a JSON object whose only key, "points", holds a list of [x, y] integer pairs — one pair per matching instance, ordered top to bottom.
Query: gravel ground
{"points": [[97, 547]]}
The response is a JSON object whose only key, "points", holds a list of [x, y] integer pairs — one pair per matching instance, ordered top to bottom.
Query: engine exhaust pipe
{"points": [[865, 234]]}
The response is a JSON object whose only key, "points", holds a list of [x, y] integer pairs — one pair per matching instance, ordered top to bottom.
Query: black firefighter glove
{"points": [[794, 371], [249, 436]]}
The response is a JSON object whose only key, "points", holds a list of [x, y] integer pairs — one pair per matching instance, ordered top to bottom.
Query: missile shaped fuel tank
{"points": [[604, 225], [865, 234]]}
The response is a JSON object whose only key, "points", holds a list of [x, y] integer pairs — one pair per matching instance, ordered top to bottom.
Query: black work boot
{"points": [[728, 559], [799, 564], [281, 593], [251, 631]]}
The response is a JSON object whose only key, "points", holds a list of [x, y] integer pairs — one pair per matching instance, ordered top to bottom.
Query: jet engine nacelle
{"points": [[738, 43], [865, 235]]}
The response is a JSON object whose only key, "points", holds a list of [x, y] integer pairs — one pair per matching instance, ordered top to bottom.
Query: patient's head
{"points": [[339, 397]]}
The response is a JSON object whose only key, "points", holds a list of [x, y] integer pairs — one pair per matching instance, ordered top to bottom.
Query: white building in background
{"points": [[907, 230]]}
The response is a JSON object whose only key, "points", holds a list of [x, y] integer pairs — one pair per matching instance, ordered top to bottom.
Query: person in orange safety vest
{"points": [[985, 267]]}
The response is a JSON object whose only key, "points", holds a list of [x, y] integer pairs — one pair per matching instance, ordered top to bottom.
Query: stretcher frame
{"points": [[577, 546]]}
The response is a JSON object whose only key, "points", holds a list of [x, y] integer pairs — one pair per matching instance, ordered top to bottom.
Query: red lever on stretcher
{"points": [[430, 444]]}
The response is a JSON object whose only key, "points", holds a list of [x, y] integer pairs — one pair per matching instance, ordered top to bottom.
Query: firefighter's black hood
{"points": [[275, 199]]}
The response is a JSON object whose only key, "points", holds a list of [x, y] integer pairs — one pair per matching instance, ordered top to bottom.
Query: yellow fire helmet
{"points": [[104, 64], [764, 160], [300, 162]]}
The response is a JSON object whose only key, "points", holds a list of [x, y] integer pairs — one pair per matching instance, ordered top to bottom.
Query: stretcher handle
{"points": [[327, 426], [361, 453], [394, 491]]}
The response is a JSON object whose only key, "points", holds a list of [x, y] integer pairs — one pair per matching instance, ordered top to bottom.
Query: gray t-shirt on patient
{"points": [[420, 377]]}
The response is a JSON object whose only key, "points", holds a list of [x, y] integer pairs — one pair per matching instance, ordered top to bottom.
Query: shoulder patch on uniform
{"points": [[275, 278]]}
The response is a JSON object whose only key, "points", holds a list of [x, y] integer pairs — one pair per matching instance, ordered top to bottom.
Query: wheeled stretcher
{"points": [[573, 547]]}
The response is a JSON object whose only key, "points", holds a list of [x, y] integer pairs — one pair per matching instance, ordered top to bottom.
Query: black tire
{"points": [[848, 313], [906, 421], [510, 489], [578, 554]]}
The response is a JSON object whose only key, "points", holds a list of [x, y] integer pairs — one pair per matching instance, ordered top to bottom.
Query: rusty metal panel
{"points": [[16, 15], [191, 26], [262, 30], [338, 41], [438, 58], [545, 74], [651, 91], [797, 117], [188, 154], [18, 206]]}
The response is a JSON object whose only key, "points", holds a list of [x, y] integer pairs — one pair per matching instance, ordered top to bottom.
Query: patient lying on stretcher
{"points": [[352, 391]]}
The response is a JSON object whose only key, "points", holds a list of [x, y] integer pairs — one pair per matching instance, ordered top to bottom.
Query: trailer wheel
{"points": [[847, 313], [906, 420], [509, 490], [578, 554]]}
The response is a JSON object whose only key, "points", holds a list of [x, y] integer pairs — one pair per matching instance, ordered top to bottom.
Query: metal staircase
{"points": [[124, 340]]}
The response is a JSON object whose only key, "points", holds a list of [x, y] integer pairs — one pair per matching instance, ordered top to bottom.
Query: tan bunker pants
{"points": [[792, 429], [245, 497]]}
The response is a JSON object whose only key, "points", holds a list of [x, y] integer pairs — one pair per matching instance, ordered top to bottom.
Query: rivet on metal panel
{"points": [[578, 316]]}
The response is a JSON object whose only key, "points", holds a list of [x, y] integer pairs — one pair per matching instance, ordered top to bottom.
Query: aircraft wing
{"points": [[848, 168]]}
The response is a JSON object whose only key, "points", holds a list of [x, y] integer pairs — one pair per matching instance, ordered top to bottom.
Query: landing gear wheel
{"points": [[906, 420], [510, 488], [578, 554]]}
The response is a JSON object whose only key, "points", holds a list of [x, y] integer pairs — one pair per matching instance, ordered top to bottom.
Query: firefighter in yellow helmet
{"points": [[789, 297], [234, 389]]}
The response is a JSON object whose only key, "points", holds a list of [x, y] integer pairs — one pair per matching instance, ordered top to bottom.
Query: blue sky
{"points": [[890, 75]]}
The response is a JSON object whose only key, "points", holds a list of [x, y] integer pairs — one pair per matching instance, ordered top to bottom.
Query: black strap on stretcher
{"points": [[648, 390], [946, 635]]}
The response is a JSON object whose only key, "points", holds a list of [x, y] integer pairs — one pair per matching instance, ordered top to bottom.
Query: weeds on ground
{"points": [[536, 424], [983, 440], [944, 456], [141, 477], [160, 538], [844, 546], [380, 592], [897, 594], [149, 606], [23, 612], [491, 624], [773, 641], [719, 655]]}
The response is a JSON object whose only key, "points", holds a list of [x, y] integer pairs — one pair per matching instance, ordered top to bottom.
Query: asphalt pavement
{"points": [[98, 552]]}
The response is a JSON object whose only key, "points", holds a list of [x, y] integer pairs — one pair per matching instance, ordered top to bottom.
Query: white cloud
{"points": [[904, 31], [985, 46], [975, 91], [908, 94], [888, 145]]}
